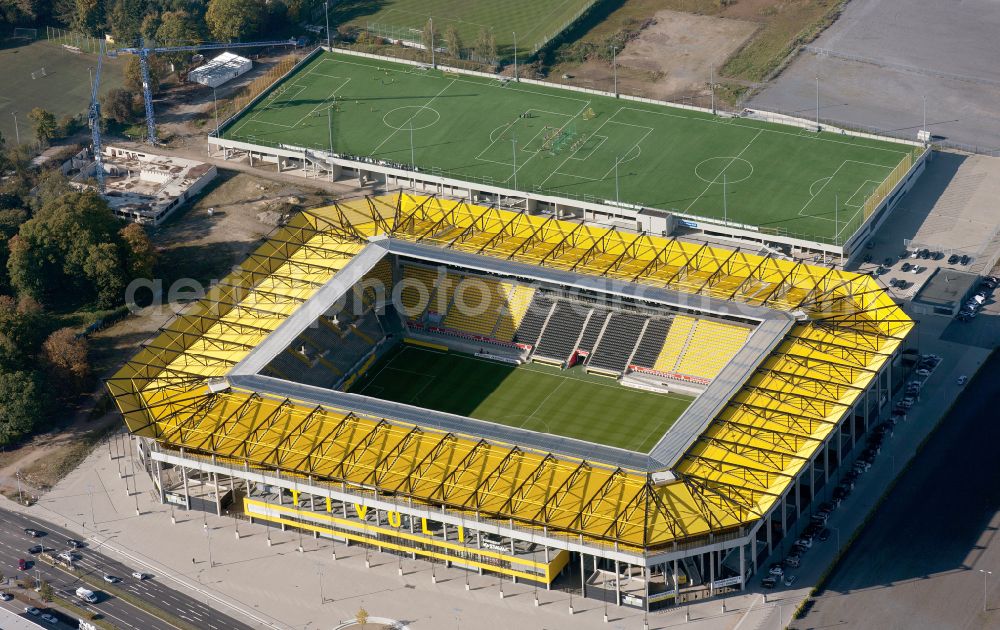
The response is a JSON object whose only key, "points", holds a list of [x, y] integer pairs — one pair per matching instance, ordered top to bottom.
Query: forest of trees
{"points": [[61, 250]]}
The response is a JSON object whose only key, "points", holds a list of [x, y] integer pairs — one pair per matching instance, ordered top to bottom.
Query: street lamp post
{"points": [[515, 57], [614, 68], [817, 102], [17, 134], [986, 575]]}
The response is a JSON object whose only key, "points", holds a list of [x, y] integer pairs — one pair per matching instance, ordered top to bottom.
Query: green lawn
{"points": [[534, 21], [65, 90], [782, 179], [540, 398]]}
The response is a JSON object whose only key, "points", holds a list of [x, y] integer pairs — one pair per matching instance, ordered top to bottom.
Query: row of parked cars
{"points": [[983, 293], [817, 530]]}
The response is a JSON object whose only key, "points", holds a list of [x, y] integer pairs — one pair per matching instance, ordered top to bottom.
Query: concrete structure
{"points": [[221, 69], [145, 187], [945, 292], [692, 525]]}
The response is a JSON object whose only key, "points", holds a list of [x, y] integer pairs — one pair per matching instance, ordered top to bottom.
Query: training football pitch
{"points": [[534, 21], [782, 179], [539, 398]]}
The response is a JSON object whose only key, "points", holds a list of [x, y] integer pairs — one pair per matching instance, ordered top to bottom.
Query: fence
{"points": [[79, 41], [887, 185]]}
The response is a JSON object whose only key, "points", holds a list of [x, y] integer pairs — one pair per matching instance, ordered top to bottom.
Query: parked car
{"points": [[924, 254], [937, 255], [952, 259], [964, 260], [906, 267], [903, 284], [923, 372], [805, 541], [793, 561], [776, 570], [769, 582], [6, 597], [31, 610], [49, 618]]}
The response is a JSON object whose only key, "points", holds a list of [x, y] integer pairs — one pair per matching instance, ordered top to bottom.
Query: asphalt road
{"points": [[14, 544], [917, 563]]}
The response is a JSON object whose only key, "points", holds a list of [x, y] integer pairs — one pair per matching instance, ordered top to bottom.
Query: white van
{"points": [[86, 595]]}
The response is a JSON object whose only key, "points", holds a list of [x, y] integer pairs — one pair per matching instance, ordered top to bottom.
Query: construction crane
{"points": [[143, 53], [94, 116]]}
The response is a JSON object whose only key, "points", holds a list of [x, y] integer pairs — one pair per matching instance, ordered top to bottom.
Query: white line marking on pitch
{"points": [[419, 109], [714, 181]]}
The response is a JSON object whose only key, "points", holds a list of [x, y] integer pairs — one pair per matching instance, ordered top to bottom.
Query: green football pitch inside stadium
{"points": [[534, 21], [782, 179], [536, 397]]}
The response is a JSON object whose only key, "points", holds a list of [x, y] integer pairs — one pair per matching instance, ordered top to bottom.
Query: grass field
{"points": [[534, 21], [64, 91], [784, 179], [539, 398]]}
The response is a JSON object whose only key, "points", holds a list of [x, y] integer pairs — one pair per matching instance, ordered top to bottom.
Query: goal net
{"points": [[38, 74]]}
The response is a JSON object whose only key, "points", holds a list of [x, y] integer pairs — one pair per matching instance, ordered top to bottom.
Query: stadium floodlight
{"points": [[326, 12], [515, 56], [614, 68], [817, 102], [513, 145]]}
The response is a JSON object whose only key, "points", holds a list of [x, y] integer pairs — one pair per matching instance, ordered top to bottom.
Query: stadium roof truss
{"points": [[731, 475]]}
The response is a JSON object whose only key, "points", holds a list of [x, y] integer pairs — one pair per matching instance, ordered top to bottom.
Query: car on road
{"points": [[962, 380], [34, 533], [72, 542], [35, 549], [67, 556], [22, 564], [139, 575], [112, 579], [789, 580], [769, 582], [6, 597], [31, 610], [49, 618]]}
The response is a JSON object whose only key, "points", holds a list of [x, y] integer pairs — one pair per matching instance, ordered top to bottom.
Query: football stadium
{"points": [[660, 168], [629, 417]]}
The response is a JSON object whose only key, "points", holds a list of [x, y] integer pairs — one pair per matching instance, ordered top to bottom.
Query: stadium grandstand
{"points": [[633, 418]]}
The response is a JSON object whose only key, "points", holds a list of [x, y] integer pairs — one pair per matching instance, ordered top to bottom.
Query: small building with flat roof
{"points": [[223, 68], [945, 292]]}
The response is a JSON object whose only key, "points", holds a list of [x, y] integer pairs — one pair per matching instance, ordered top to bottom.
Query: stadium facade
{"points": [[316, 160], [246, 401]]}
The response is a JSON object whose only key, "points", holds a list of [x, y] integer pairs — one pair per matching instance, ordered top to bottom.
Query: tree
{"points": [[89, 17], [125, 18], [230, 20], [150, 24], [176, 29], [453, 41], [486, 46], [133, 74], [118, 105], [43, 123], [51, 186], [69, 252], [139, 253], [65, 358], [20, 404], [45, 590], [361, 617]]}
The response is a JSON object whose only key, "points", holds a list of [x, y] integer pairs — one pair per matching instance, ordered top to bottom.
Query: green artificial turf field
{"points": [[534, 21], [782, 179], [539, 398]]}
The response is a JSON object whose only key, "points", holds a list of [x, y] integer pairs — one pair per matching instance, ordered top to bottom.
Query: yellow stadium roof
{"points": [[730, 476]]}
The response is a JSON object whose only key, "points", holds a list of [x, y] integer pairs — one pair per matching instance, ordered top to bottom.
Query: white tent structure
{"points": [[225, 67]]}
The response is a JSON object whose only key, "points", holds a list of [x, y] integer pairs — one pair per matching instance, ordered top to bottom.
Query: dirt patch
{"points": [[683, 49]]}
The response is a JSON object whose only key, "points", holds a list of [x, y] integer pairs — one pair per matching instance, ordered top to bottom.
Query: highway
{"points": [[14, 544]]}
